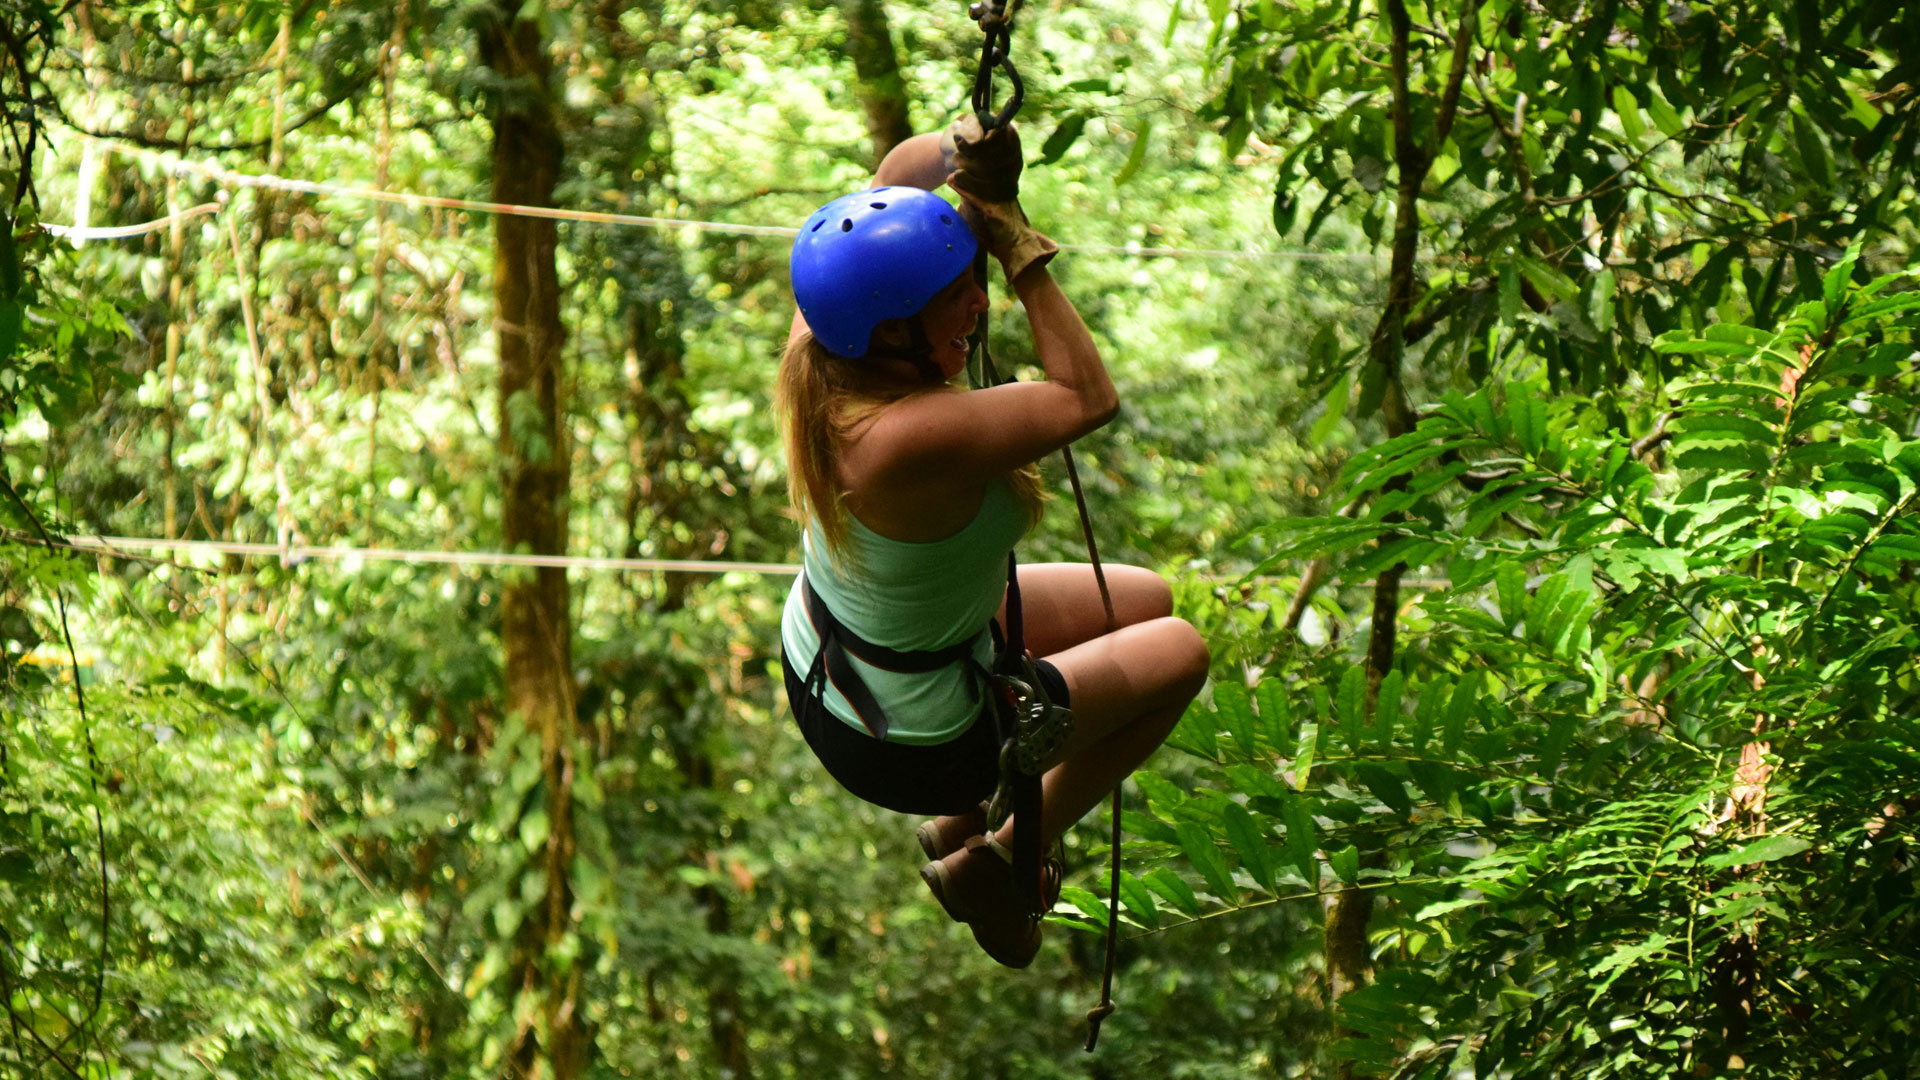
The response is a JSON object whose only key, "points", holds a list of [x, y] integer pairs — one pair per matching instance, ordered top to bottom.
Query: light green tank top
{"points": [[911, 596]]}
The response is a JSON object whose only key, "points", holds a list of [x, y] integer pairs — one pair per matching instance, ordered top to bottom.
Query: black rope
{"points": [[996, 25], [1099, 1013]]}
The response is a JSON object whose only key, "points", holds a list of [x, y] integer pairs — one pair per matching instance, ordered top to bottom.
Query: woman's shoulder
{"points": [[879, 435]]}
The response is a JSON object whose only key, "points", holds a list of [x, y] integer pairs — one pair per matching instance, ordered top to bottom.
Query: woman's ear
{"points": [[893, 334]]}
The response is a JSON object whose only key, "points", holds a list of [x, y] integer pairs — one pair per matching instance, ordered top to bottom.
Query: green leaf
{"points": [[1625, 107], [1664, 116], [1062, 139], [1813, 152], [1138, 155], [1286, 207], [11, 279], [1551, 283], [1834, 285], [12, 315], [1336, 410], [1528, 415], [1742, 458], [1511, 582], [1433, 700], [1235, 705], [1386, 708], [1351, 709], [1459, 710], [1276, 714], [1197, 733], [1303, 755], [1434, 779], [1255, 780], [1385, 786], [1161, 794], [533, 828], [1147, 828], [1303, 839], [1248, 843], [1199, 848], [1765, 849], [1345, 864], [1172, 889], [1135, 898], [1093, 907], [1448, 907], [1620, 959]]}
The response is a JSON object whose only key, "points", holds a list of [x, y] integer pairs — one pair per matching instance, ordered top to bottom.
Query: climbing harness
{"points": [[837, 642], [1034, 727], [1029, 728]]}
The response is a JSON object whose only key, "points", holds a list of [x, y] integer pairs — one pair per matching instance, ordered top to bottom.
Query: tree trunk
{"points": [[881, 88], [535, 633], [1348, 962]]}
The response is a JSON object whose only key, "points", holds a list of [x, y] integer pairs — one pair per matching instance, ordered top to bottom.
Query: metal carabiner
{"points": [[996, 22]]}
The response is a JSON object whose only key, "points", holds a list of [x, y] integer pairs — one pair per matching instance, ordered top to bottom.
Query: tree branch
{"points": [[1456, 75], [136, 138]]}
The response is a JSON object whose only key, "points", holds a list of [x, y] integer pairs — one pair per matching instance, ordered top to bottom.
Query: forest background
{"points": [[1529, 421]]}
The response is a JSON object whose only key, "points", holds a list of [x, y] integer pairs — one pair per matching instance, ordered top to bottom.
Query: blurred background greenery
{"points": [[269, 816]]}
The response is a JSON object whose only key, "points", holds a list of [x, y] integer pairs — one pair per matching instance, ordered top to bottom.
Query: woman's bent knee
{"points": [[1149, 595], [1189, 652], [1180, 657]]}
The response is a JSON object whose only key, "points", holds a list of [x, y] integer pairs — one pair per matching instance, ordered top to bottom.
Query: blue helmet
{"points": [[872, 256]]}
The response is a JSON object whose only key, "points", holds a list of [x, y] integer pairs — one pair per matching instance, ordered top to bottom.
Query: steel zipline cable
{"points": [[229, 179], [294, 554]]}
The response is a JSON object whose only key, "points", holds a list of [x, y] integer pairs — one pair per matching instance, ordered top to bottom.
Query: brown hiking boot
{"points": [[943, 836], [975, 886]]}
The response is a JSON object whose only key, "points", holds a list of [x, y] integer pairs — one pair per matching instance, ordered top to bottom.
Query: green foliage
{"points": [[1585, 172], [1647, 758]]}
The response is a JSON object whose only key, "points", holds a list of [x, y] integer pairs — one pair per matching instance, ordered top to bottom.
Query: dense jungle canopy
{"points": [[1523, 395]]}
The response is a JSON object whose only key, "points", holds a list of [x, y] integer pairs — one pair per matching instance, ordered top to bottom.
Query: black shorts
{"points": [[942, 778]]}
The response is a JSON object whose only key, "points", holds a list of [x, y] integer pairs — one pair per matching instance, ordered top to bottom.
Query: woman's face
{"points": [[947, 320]]}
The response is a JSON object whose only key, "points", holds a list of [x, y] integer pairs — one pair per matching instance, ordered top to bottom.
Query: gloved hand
{"points": [[989, 163], [987, 176]]}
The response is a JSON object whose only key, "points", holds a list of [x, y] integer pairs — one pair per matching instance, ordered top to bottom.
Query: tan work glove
{"points": [[987, 176]]}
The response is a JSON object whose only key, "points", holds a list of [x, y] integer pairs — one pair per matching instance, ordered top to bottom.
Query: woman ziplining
{"points": [[906, 640]]}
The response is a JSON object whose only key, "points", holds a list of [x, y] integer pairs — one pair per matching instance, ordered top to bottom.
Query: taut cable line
{"points": [[231, 179], [123, 547]]}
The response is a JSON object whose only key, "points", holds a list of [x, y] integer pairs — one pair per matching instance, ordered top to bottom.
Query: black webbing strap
{"points": [[836, 641], [1027, 861]]}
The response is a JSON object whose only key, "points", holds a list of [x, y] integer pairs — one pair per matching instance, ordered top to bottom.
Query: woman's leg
{"points": [[1060, 602], [1060, 608], [1128, 689]]}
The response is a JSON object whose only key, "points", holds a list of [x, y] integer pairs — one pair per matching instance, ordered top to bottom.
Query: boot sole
{"points": [[935, 875]]}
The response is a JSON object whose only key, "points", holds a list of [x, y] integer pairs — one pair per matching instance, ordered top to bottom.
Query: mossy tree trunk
{"points": [[551, 1039]]}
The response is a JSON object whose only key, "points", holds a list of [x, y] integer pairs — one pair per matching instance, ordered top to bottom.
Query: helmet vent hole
{"points": [[878, 205], [945, 220], [817, 224], [846, 224]]}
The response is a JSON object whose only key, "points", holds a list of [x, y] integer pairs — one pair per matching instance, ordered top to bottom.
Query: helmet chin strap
{"points": [[918, 352]]}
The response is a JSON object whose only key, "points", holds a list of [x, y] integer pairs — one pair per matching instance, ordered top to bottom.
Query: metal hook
{"points": [[997, 26]]}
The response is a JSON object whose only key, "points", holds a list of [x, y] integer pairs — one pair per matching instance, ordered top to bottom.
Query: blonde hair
{"points": [[821, 399]]}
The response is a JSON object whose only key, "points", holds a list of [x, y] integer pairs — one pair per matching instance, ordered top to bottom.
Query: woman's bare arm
{"points": [[964, 439]]}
